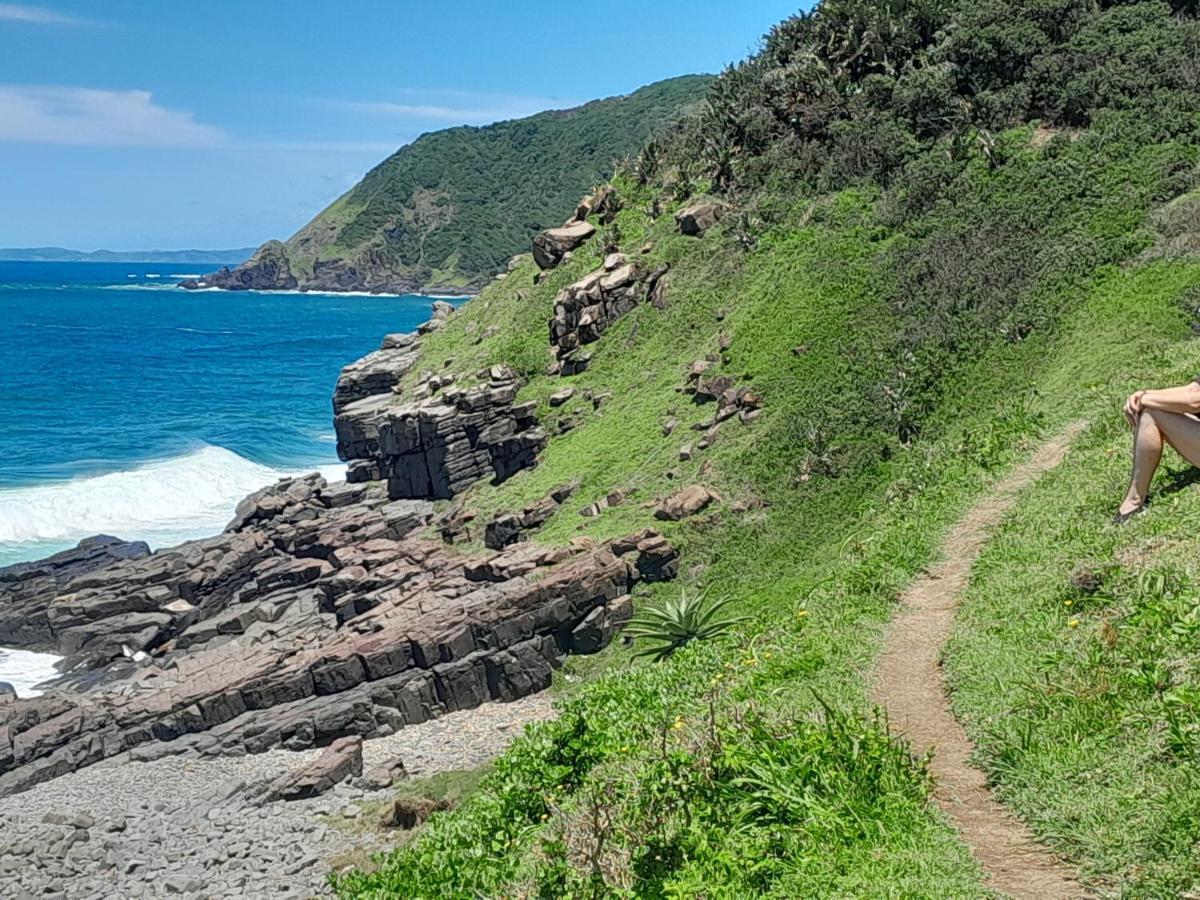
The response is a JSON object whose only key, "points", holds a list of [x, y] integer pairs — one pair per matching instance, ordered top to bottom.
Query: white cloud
{"points": [[37, 15], [463, 107], [89, 117], [271, 146]]}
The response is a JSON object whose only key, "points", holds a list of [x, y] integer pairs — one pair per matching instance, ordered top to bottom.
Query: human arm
{"points": [[1183, 399]]}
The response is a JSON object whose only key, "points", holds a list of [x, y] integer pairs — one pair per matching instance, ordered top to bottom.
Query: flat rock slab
{"points": [[341, 760]]}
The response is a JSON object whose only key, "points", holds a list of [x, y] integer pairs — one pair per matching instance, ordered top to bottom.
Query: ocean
{"points": [[131, 407]]}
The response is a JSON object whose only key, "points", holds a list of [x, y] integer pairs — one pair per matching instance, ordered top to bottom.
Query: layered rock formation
{"points": [[585, 309], [441, 437], [27, 588], [323, 610], [318, 613]]}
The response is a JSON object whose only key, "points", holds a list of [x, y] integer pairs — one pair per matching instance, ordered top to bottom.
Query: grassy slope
{"points": [[817, 569], [1086, 706]]}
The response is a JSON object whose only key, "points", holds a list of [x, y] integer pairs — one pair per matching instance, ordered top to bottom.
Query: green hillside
{"points": [[446, 212], [953, 227]]}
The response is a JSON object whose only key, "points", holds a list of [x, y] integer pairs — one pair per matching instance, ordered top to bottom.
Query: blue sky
{"points": [[135, 124]]}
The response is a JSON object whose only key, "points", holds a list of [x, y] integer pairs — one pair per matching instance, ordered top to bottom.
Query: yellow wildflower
{"points": [[1074, 623]]}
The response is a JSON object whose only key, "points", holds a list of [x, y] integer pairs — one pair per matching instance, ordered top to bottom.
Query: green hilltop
{"points": [[446, 212], [947, 229]]}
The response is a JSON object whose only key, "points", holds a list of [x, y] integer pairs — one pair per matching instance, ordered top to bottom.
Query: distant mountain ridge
{"points": [[445, 213], [60, 254]]}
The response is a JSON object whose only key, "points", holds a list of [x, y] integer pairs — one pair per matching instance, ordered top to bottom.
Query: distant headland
{"points": [[59, 254]]}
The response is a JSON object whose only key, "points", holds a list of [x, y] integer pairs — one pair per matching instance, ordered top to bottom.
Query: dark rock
{"points": [[699, 217], [550, 247], [269, 269], [710, 389], [688, 502], [509, 528], [409, 812]]}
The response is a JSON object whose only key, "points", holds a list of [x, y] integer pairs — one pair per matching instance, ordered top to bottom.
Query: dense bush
{"points": [[854, 89]]}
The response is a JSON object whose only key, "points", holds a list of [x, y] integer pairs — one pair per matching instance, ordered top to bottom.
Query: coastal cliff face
{"points": [[444, 214], [267, 270], [323, 610]]}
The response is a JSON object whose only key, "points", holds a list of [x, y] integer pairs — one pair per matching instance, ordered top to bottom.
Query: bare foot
{"points": [[1129, 507], [1128, 510]]}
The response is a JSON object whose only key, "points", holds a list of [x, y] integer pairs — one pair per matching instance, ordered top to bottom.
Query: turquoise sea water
{"points": [[131, 407]]}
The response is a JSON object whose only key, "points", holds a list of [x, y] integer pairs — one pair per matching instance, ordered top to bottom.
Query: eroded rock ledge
{"points": [[445, 435], [323, 610], [317, 614]]}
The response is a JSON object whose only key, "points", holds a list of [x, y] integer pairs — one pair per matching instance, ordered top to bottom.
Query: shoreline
{"points": [[424, 295]]}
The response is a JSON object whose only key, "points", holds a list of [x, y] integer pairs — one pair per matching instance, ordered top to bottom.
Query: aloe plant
{"points": [[678, 622]]}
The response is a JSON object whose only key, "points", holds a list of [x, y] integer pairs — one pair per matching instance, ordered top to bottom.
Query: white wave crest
{"points": [[160, 502], [24, 670]]}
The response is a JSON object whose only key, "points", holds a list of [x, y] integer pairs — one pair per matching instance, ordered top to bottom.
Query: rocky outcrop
{"points": [[603, 202], [699, 217], [551, 246], [269, 269], [584, 310], [378, 372], [443, 438], [688, 502], [509, 528], [28, 589], [323, 611], [319, 613]]}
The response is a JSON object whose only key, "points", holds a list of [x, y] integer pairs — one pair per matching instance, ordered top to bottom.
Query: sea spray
{"points": [[161, 502], [24, 670]]}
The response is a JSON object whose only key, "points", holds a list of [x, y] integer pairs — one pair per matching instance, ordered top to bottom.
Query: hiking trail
{"points": [[910, 686]]}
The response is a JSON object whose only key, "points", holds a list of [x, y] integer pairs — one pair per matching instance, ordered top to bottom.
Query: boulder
{"points": [[699, 217], [551, 246], [687, 502], [341, 760], [384, 775]]}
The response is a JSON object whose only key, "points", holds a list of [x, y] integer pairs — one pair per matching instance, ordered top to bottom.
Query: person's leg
{"points": [[1153, 429], [1147, 452]]}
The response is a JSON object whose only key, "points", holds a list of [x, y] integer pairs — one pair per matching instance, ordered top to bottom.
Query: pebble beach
{"points": [[189, 827]]}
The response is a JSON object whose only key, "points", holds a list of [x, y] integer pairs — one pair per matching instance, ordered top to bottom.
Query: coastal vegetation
{"points": [[446, 212], [951, 227]]}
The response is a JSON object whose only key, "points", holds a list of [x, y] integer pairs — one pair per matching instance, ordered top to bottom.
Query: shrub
{"points": [[678, 622]]}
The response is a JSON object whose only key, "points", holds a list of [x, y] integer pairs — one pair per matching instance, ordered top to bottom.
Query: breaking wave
{"points": [[162, 502]]}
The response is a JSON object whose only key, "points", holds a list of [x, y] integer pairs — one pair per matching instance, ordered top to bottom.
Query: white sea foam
{"points": [[334, 294], [162, 502], [24, 670]]}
